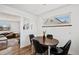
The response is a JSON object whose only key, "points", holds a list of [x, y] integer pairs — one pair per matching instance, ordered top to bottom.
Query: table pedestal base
{"points": [[48, 50]]}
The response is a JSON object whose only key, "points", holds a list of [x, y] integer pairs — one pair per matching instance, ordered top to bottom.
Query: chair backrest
{"points": [[50, 36], [30, 37], [37, 46], [66, 47]]}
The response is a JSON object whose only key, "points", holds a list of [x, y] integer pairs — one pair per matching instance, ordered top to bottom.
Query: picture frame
{"points": [[61, 20]]}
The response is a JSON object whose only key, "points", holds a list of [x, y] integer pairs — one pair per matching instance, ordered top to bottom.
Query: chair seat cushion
{"points": [[56, 50], [59, 50]]}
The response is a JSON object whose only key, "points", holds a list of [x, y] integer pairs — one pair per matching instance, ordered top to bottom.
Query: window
{"points": [[4, 25]]}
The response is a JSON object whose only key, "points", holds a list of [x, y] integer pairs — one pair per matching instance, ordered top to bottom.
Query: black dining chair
{"points": [[31, 36], [49, 36], [39, 49], [61, 50]]}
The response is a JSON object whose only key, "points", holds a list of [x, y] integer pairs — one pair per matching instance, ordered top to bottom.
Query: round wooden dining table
{"points": [[48, 42]]}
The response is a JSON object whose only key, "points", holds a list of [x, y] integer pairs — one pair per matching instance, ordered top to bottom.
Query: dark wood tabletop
{"points": [[47, 41]]}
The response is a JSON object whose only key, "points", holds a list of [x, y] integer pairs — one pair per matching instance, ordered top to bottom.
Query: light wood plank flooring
{"points": [[20, 51]]}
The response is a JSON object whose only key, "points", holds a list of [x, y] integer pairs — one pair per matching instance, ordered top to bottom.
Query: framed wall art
{"points": [[58, 21]]}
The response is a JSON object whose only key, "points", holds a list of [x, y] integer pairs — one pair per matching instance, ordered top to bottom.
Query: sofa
{"points": [[12, 39]]}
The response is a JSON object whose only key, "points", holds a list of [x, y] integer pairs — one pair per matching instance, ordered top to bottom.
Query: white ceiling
{"points": [[35, 9]]}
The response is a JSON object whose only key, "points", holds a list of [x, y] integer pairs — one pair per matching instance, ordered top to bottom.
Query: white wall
{"points": [[13, 21], [25, 33], [63, 34], [24, 40]]}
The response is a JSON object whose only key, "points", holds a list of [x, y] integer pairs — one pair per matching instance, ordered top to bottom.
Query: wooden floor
{"points": [[18, 51], [21, 51], [26, 51]]}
